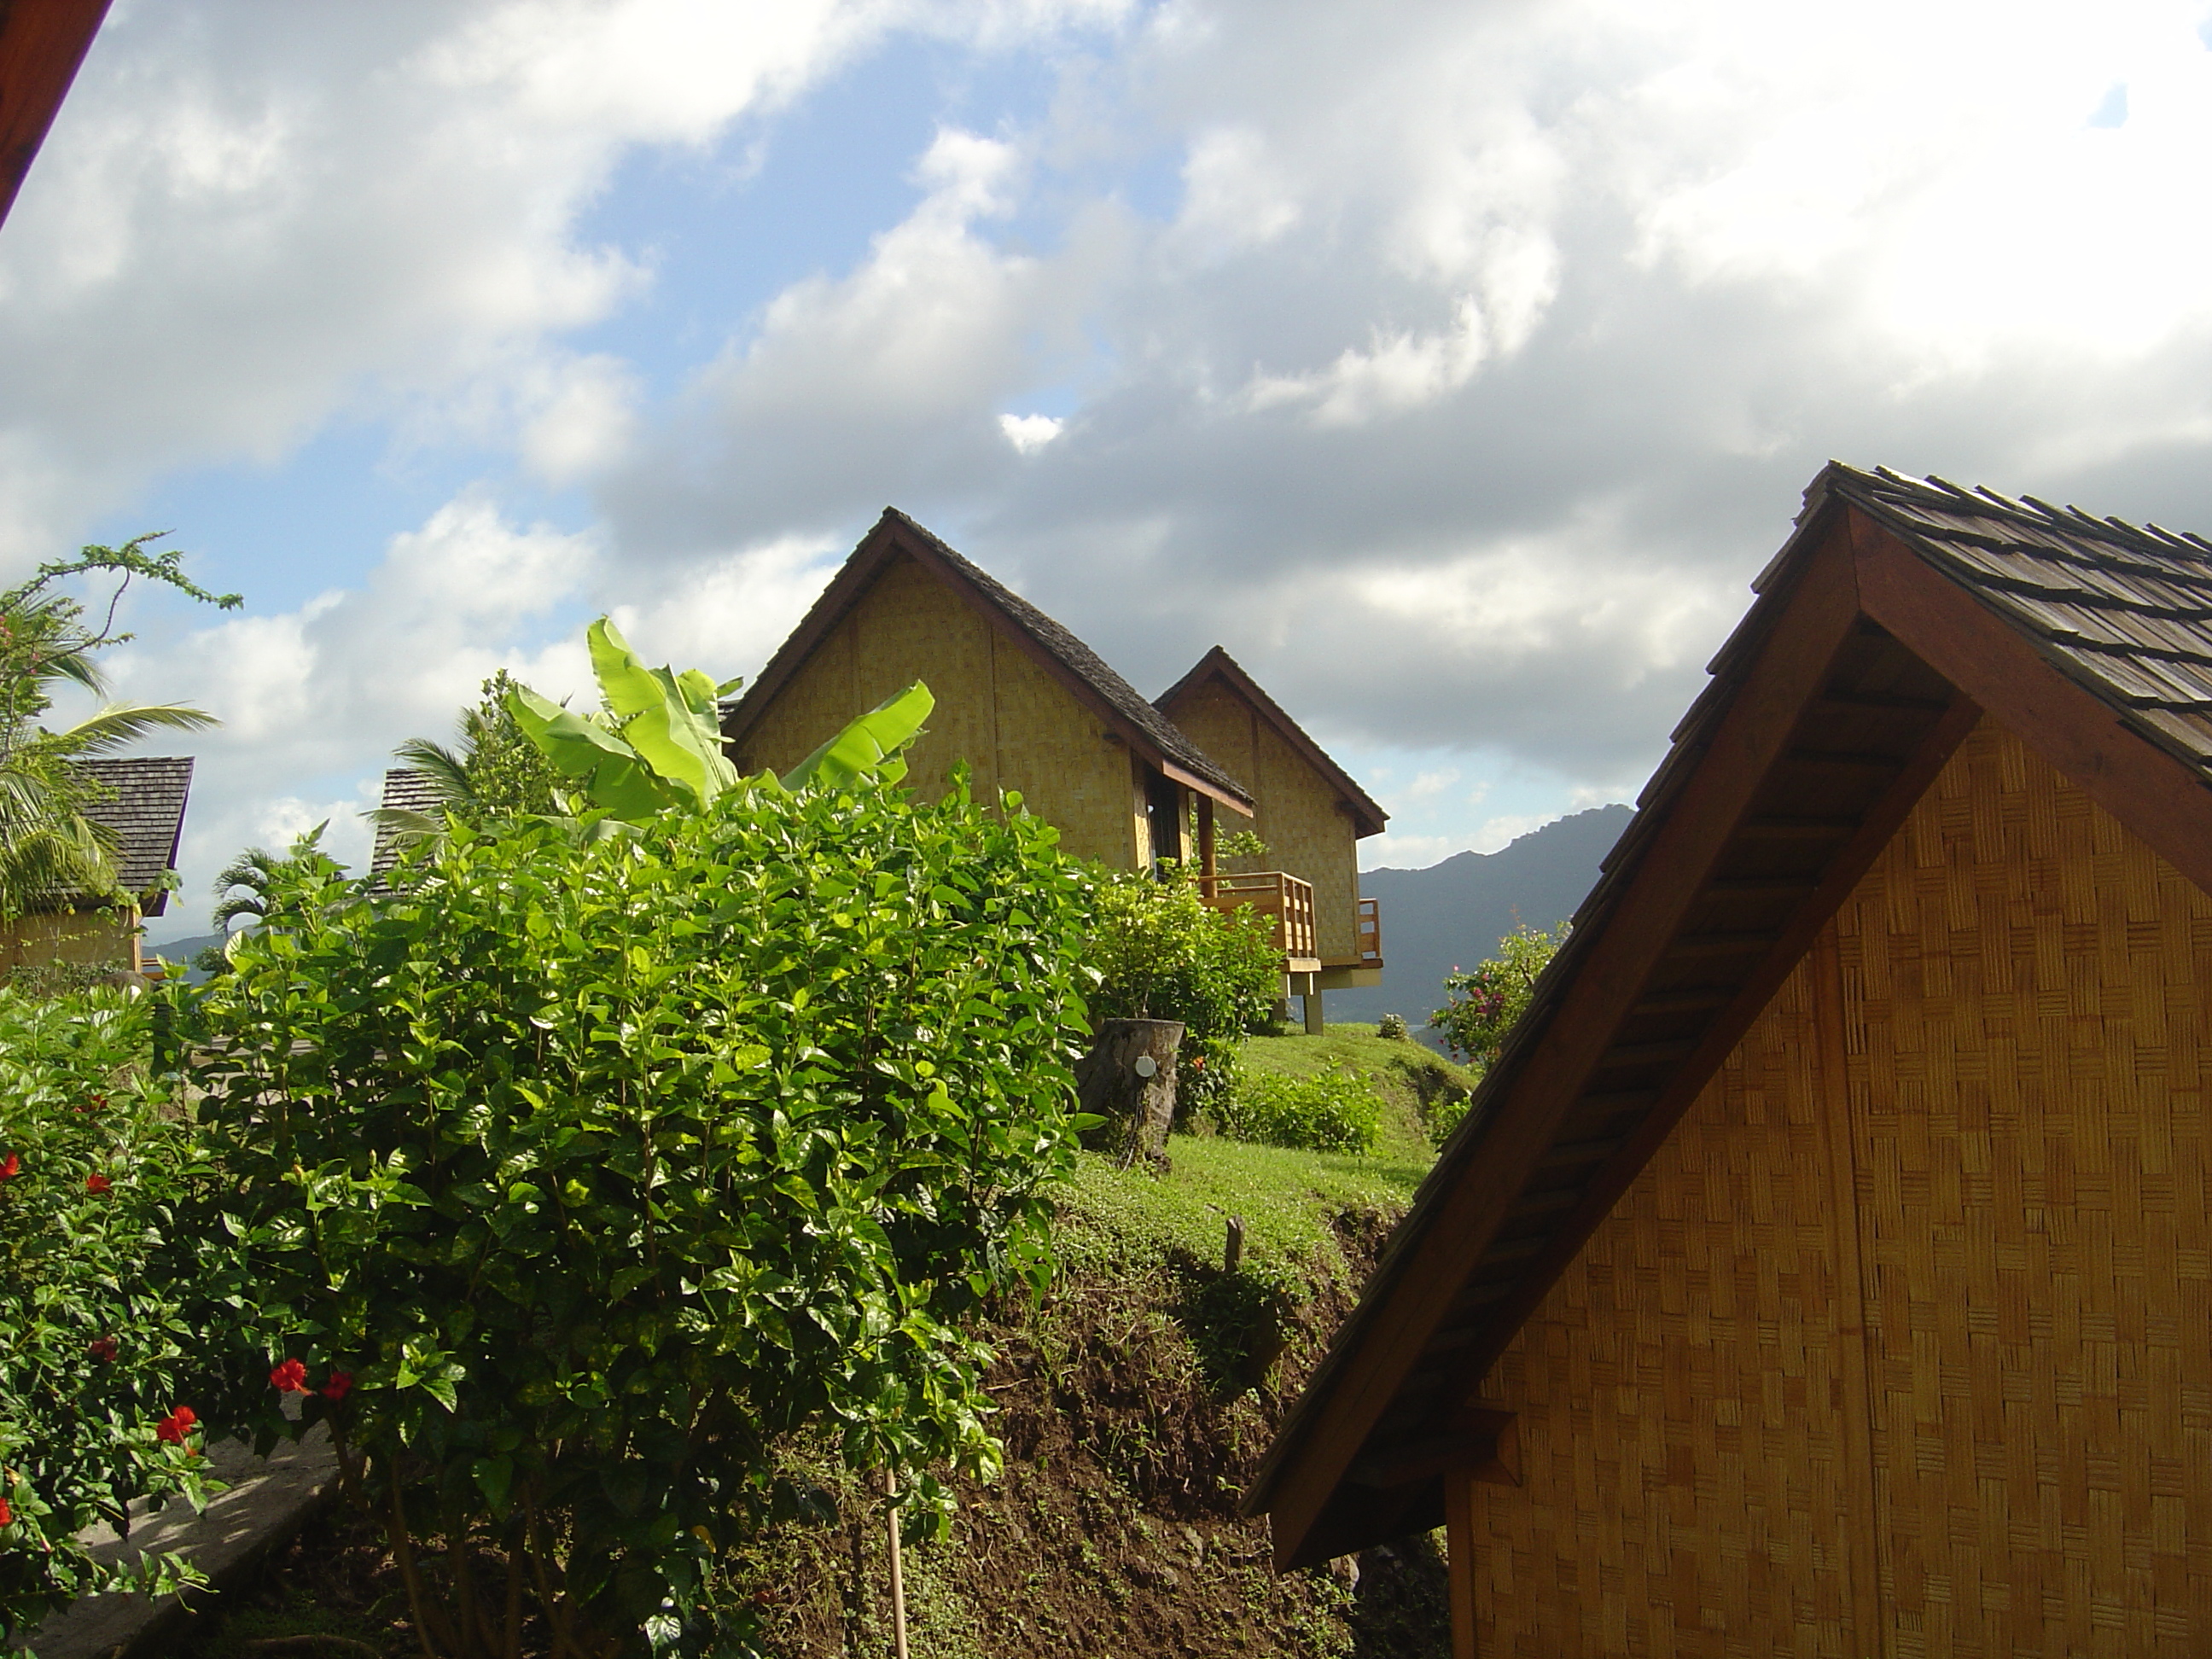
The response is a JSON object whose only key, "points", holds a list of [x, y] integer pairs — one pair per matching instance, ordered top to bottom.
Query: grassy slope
{"points": [[1413, 1081]]}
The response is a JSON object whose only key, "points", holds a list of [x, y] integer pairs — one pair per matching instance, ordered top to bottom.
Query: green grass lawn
{"points": [[1409, 1076], [1286, 1199]]}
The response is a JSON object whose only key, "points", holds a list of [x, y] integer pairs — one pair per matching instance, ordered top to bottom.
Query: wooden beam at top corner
{"points": [[42, 42], [1999, 668]]}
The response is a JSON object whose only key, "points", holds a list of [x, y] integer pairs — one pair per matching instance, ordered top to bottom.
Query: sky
{"points": [[1455, 365]]}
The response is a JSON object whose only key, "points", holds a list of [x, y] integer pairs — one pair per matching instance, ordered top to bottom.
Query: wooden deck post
{"points": [[1206, 864], [1312, 1001], [1459, 1558]]}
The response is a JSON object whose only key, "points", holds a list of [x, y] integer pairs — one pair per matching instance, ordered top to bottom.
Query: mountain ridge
{"points": [[1452, 914]]}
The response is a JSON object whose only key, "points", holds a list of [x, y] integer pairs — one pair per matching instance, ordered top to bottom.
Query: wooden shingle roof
{"points": [[1896, 616], [1152, 735], [405, 790], [141, 800]]}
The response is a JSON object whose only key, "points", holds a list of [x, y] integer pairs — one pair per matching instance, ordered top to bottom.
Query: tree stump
{"points": [[1129, 1078]]}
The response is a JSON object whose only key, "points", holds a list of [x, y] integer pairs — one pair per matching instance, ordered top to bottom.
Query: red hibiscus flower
{"points": [[11, 1167], [97, 1183], [102, 1348], [290, 1377], [341, 1382], [176, 1425], [7, 1514]]}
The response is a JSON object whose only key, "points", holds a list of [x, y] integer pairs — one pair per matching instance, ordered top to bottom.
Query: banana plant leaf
{"points": [[669, 721], [870, 746], [608, 772]]}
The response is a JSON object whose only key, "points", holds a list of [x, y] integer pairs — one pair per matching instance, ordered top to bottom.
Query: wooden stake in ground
{"points": [[898, 1572]]}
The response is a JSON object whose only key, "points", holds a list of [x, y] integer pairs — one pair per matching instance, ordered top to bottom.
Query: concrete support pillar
{"points": [[1312, 1001]]}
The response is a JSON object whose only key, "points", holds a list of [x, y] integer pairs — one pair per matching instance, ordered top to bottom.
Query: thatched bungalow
{"points": [[1026, 705], [1826, 1266]]}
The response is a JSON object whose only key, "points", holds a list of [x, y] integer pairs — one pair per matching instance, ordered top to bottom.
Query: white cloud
{"points": [[1475, 363], [1030, 432]]}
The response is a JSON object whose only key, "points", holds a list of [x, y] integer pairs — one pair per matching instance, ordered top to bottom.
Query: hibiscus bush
{"points": [[1486, 1000], [579, 1171], [99, 1300]]}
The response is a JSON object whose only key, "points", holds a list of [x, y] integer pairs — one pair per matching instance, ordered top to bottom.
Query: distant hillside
{"points": [[1455, 913]]}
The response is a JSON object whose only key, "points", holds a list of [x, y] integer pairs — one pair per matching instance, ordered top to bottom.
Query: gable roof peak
{"points": [[1218, 664], [1151, 733]]}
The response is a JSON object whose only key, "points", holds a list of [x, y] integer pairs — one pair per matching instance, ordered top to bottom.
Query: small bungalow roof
{"points": [[41, 44], [1897, 614], [1075, 664], [1218, 664], [405, 790], [143, 803]]}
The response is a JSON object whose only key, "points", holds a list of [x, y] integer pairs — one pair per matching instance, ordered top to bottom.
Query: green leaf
{"points": [[671, 721], [870, 744], [613, 775]]}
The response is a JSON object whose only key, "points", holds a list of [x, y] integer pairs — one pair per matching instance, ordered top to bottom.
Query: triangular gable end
{"points": [[1895, 618], [1217, 667], [1150, 736]]}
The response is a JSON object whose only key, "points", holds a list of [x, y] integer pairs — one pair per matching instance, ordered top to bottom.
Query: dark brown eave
{"points": [[42, 42], [896, 535], [1218, 664], [1858, 670]]}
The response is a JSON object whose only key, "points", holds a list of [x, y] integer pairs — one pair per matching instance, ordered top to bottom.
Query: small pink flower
{"points": [[10, 1167], [97, 1183], [102, 1348], [290, 1377], [340, 1384], [176, 1425]]}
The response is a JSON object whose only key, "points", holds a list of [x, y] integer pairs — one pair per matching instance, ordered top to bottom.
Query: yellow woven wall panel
{"points": [[1016, 725], [1057, 753], [1297, 815], [2003, 1182], [2035, 1220], [1687, 1481]]}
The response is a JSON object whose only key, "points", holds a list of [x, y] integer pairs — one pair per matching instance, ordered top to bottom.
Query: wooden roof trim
{"points": [[42, 43], [894, 535], [1218, 664], [1597, 978], [1697, 1069]]}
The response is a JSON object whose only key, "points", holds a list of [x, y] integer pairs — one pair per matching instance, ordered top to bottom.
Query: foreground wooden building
{"points": [[1026, 705], [1826, 1268]]}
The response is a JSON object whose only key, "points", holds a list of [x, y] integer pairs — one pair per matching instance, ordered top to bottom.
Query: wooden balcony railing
{"points": [[1278, 895], [1370, 929]]}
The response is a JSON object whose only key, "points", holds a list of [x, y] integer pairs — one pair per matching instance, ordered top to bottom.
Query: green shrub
{"points": [[1162, 953], [1392, 1026], [1337, 1110], [581, 1174], [96, 1335]]}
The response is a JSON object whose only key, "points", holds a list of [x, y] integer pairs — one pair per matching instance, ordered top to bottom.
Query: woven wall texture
{"points": [[1016, 725], [1296, 812], [1902, 1342]]}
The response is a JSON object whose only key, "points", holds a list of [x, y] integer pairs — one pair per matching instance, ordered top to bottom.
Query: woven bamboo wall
{"points": [[1016, 725], [1297, 815], [2003, 1186], [1685, 1464]]}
